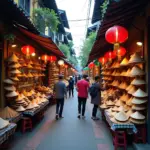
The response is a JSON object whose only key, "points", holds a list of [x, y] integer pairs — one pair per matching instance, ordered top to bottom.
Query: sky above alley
{"points": [[77, 13]]}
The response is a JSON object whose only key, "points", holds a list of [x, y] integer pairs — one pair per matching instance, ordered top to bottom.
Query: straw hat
{"points": [[13, 58], [135, 58], [124, 62], [16, 65], [29, 66], [16, 71], [136, 71], [29, 75], [14, 78], [8, 81], [138, 82], [129, 87], [10, 88], [132, 90], [140, 93], [12, 94], [138, 101], [129, 102], [110, 103], [119, 103], [35, 104], [30, 106], [103, 106], [136, 107], [115, 108], [122, 108], [20, 109], [7, 113], [113, 113], [129, 113], [121, 116], [137, 116], [137, 121], [3, 123]]}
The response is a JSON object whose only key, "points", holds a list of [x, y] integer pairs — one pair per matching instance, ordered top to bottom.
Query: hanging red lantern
{"points": [[116, 35], [28, 50], [120, 51], [110, 55], [45, 58], [52, 58], [102, 60], [91, 65], [66, 66]]}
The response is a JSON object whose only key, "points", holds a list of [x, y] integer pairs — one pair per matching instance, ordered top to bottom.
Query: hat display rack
{"points": [[125, 81]]}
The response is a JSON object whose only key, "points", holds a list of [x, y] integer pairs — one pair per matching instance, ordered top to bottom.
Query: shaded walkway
{"points": [[69, 133]]}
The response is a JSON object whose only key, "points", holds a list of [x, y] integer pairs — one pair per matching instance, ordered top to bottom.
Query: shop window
{"points": [[25, 4]]}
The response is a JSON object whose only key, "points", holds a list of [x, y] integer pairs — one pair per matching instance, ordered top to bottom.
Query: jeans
{"points": [[71, 91], [81, 102], [59, 106], [94, 110]]}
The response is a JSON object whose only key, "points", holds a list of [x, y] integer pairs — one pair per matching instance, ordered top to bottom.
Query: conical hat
{"points": [[13, 58], [135, 58], [124, 62], [16, 65], [29, 66], [16, 71], [136, 71], [127, 74], [30, 75], [14, 78], [8, 81], [138, 82], [129, 87], [10, 88], [132, 90], [140, 93], [12, 94], [38, 94], [22, 95], [138, 101], [129, 102], [109, 103], [119, 103], [35, 104], [30, 106], [103, 106], [136, 107], [115, 108], [122, 108], [20, 109], [7, 113], [129, 113], [137, 115], [121, 116], [135, 121], [3, 123]]}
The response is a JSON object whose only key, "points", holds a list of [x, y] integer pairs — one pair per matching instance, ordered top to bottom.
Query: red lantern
{"points": [[116, 35], [27, 50], [120, 51], [110, 55], [45, 58], [52, 58], [102, 60], [91, 65], [66, 66]]}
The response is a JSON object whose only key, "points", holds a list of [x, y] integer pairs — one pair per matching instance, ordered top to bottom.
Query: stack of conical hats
{"points": [[135, 58], [124, 62], [136, 71], [20, 109], [137, 118], [3, 123]]}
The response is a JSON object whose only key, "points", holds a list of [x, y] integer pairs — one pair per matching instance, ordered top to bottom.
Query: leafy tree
{"points": [[86, 48], [65, 49]]}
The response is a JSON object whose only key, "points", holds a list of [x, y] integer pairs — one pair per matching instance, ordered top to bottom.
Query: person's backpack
{"points": [[93, 91]]}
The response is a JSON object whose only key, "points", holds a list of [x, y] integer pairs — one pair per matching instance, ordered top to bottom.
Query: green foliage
{"points": [[104, 8], [45, 17], [10, 37], [86, 48], [65, 49], [73, 60]]}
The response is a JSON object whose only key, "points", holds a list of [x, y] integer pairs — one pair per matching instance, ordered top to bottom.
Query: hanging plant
{"points": [[104, 8], [45, 17], [9, 37]]}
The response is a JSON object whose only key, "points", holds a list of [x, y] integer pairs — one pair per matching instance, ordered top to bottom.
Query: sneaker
{"points": [[61, 116], [79, 116], [57, 117], [83, 117], [94, 118]]}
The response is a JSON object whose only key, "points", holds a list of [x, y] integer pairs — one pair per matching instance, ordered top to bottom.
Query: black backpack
{"points": [[93, 90]]}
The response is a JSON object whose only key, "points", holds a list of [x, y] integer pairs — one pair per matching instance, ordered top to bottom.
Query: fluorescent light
{"points": [[139, 43], [14, 45]]}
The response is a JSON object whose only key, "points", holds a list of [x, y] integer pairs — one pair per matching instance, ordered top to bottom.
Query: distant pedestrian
{"points": [[71, 86], [82, 88], [60, 92]]}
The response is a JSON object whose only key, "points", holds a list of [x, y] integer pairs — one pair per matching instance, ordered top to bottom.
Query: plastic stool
{"points": [[26, 124], [140, 135], [119, 139]]}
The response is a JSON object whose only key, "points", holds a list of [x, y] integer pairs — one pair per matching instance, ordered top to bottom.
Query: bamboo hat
{"points": [[13, 58], [135, 58], [124, 62], [16, 65], [29, 66], [16, 71], [136, 71], [29, 75], [14, 78], [8, 81], [138, 82], [129, 87], [10, 88], [132, 90], [140, 93], [12, 94], [43, 100], [138, 101], [129, 102], [109, 103], [119, 103], [35, 104], [30, 106], [103, 106], [136, 107], [115, 108], [122, 108], [20, 109], [7, 113], [113, 113], [129, 113], [121, 116], [137, 116], [135, 121], [3, 123]]}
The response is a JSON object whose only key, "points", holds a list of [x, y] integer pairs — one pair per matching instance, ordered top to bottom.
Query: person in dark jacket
{"points": [[71, 86]]}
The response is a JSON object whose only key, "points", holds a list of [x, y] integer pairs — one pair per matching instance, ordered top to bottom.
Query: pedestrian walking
{"points": [[71, 86], [82, 88], [60, 92]]}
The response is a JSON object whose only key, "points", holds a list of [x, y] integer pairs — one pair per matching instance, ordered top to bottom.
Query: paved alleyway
{"points": [[69, 133]]}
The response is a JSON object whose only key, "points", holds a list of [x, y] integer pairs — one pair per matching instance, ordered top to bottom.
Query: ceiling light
{"points": [[139, 43], [14, 45], [33, 54]]}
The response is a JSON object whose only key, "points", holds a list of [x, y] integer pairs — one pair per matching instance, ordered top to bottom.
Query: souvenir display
{"points": [[20, 109], [121, 116], [3, 123]]}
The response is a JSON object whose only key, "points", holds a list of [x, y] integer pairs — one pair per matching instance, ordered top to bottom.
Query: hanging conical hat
{"points": [[13, 58], [135, 58], [124, 62], [16, 65], [16, 71], [136, 71], [14, 78], [8, 81], [138, 82], [10, 88], [132, 90], [140, 93], [12, 94], [138, 101], [119, 103], [136, 107], [20, 109], [7, 113], [129, 113], [137, 115], [121, 116], [135, 121], [3, 123]]}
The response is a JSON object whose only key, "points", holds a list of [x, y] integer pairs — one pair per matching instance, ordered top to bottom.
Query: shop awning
{"points": [[118, 13], [44, 42]]}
